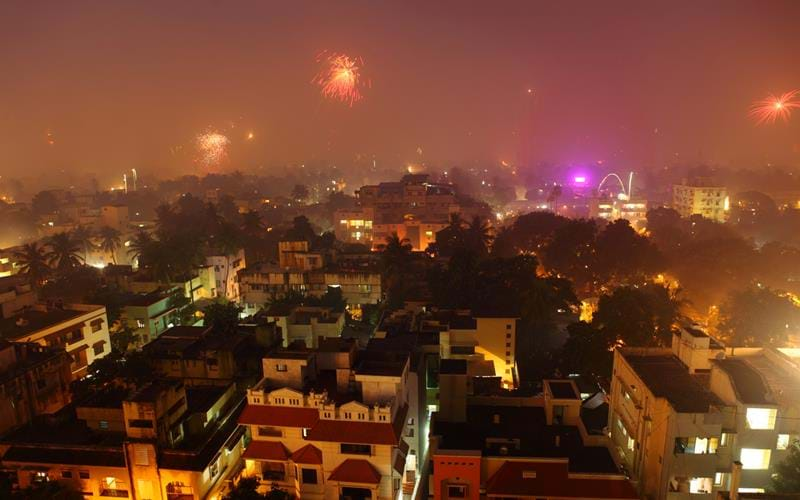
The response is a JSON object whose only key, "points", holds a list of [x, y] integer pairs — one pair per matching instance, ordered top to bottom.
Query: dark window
{"points": [[98, 348], [461, 349], [280, 368], [140, 423], [356, 449], [273, 471], [66, 474], [83, 474], [309, 476], [457, 491]]}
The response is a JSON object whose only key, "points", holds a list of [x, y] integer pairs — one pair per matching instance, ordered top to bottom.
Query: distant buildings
{"points": [[701, 197], [414, 208], [611, 209], [226, 267], [148, 315], [306, 324], [79, 328], [701, 418]]}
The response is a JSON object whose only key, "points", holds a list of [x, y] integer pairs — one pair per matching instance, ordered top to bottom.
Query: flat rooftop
{"points": [[33, 321], [667, 378], [746, 380], [562, 389], [521, 432]]}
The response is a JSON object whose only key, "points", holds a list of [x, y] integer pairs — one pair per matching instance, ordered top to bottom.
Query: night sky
{"points": [[130, 84]]}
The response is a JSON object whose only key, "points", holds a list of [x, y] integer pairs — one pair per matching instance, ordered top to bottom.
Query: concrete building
{"points": [[701, 197], [415, 208], [611, 209], [226, 269], [16, 294], [148, 315], [306, 324], [81, 329], [34, 380], [699, 418], [329, 424], [159, 441], [518, 447]]}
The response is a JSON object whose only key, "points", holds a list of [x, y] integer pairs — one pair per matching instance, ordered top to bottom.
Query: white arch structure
{"points": [[626, 192]]}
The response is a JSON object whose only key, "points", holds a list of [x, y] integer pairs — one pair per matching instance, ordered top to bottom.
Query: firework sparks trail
{"points": [[340, 78], [772, 108], [213, 148]]}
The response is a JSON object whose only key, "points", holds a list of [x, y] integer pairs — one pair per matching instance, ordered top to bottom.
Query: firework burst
{"points": [[340, 78], [774, 107], [212, 148]]}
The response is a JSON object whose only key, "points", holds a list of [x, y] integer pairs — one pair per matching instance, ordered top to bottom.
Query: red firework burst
{"points": [[340, 78], [774, 107]]}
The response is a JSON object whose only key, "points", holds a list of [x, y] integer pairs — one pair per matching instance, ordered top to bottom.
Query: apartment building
{"points": [[701, 197], [414, 208], [226, 269], [309, 273], [16, 294], [148, 315], [305, 324], [81, 329], [34, 380], [700, 419], [329, 424], [158, 441], [506, 446]]}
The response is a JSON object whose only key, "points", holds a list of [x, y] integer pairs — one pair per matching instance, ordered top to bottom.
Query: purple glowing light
{"points": [[579, 179]]}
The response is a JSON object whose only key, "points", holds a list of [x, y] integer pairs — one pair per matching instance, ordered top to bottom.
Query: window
{"points": [[139, 323], [96, 325], [508, 327], [98, 348], [460, 349], [281, 368], [348, 415], [761, 418], [140, 423], [104, 424], [266, 430], [304, 432], [410, 432], [724, 439], [783, 442], [696, 445], [355, 449], [140, 455], [755, 459], [273, 471], [66, 474], [83, 474], [309, 476], [718, 478], [700, 485], [456, 491]]}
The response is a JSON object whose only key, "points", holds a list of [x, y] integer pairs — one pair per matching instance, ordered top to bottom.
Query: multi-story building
{"points": [[701, 197], [414, 208], [611, 209], [226, 269], [303, 271], [16, 294], [148, 315], [305, 324], [81, 329], [34, 380], [701, 418], [329, 424], [158, 441], [507, 446]]}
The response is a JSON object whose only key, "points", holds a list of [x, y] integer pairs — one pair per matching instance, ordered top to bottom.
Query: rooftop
{"points": [[32, 320], [666, 377], [746, 381], [562, 389]]}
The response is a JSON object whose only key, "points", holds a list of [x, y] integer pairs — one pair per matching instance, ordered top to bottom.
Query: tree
{"points": [[300, 193], [44, 202], [252, 225], [301, 230], [82, 236], [478, 236], [451, 238], [110, 241], [139, 245], [570, 252], [63, 254], [624, 256], [395, 258], [32, 261], [637, 316], [758, 316], [223, 317], [586, 351], [786, 474], [247, 489]]}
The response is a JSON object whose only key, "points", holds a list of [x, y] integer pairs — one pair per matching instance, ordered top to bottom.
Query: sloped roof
{"points": [[282, 416], [266, 450], [308, 454], [355, 471]]}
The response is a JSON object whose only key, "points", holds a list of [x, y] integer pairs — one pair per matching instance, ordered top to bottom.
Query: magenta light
{"points": [[580, 179]]}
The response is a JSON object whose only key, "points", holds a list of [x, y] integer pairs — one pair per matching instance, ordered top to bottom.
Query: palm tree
{"points": [[252, 225], [479, 235], [82, 236], [110, 241], [139, 244], [64, 253], [32, 261]]}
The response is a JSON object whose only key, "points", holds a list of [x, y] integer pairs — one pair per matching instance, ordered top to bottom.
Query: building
{"points": [[701, 198], [414, 208], [611, 209], [226, 269], [305, 272], [16, 294], [148, 315], [306, 324], [81, 329], [197, 356], [34, 380], [703, 419], [329, 424], [158, 441], [518, 446]]}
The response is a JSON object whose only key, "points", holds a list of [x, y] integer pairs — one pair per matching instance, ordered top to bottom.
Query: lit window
{"points": [[343, 221], [761, 418], [783, 442], [630, 443], [755, 459], [718, 477], [700, 485]]}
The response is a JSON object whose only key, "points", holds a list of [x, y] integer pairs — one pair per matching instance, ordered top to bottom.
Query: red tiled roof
{"points": [[281, 416], [354, 431], [266, 450], [308, 454], [355, 470], [552, 480]]}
